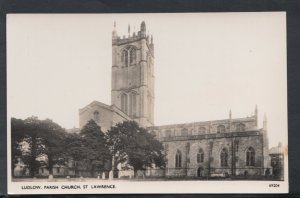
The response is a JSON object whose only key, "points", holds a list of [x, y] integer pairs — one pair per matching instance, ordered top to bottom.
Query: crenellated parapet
{"points": [[133, 37], [208, 129]]}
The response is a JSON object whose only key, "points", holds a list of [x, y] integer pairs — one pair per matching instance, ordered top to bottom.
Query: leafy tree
{"points": [[17, 136], [52, 136], [38, 141], [95, 143], [88, 145], [135, 145], [75, 150], [31, 151]]}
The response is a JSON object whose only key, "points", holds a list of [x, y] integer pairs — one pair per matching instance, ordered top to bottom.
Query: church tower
{"points": [[132, 88]]}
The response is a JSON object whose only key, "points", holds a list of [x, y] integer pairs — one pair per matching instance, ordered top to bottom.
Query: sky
{"points": [[205, 64]]}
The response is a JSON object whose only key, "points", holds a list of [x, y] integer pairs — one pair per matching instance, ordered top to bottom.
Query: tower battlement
{"points": [[133, 37]]}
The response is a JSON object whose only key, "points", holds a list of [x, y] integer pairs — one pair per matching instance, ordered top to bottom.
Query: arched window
{"points": [[128, 56], [132, 56], [124, 57], [124, 103], [132, 104], [96, 116], [240, 127], [221, 129], [202, 130], [184, 132], [168, 133], [166, 146], [200, 156], [224, 157], [250, 157], [178, 159]]}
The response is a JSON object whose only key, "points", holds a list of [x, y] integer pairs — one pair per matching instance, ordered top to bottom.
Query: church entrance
{"points": [[200, 172]]}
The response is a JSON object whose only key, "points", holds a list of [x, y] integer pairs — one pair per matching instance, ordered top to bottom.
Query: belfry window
{"points": [[128, 56], [132, 56], [124, 57], [124, 102], [96, 116], [221, 129], [200, 156], [224, 157], [250, 157], [178, 159]]}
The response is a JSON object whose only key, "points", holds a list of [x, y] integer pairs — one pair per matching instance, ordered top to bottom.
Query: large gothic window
{"points": [[128, 56], [124, 103], [133, 104], [96, 116], [240, 127], [221, 129], [202, 130], [184, 132], [168, 133], [200, 156], [224, 157], [250, 157], [178, 159]]}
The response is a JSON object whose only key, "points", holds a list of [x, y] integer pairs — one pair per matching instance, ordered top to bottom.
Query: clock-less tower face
{"points": [[132, 76]]}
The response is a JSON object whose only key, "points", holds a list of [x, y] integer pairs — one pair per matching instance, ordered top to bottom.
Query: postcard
{"points": [[147, 103]]}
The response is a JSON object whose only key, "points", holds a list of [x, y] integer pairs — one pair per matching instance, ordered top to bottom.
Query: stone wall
{"points": [[212, 148]]}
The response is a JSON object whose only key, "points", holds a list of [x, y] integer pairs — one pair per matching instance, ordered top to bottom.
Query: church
{"points": [[232, 146]]}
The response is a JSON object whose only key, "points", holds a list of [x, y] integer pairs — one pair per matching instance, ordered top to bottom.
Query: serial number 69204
{"points": [[273, 185]]}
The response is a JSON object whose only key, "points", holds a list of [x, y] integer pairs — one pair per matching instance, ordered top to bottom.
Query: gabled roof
{"points": [[95, 103], [111, 108]]}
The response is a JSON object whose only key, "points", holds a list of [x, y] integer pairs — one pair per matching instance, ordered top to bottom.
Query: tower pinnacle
{"points": [[143, 27], [114, 32], [256, 115], [265, 122]]}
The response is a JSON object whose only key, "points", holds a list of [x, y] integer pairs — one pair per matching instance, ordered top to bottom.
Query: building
{"points": [[233, 146], [277, 161]]}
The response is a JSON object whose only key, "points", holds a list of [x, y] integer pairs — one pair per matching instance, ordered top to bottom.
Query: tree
{"points": [[17, 136], [52, 136], [94, 141], [38, 142], [88, 145], [135, 145], [75, 150], [31, 151]]}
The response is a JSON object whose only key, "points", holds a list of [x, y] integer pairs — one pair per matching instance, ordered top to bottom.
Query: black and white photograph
{"points": [[147, 103]]}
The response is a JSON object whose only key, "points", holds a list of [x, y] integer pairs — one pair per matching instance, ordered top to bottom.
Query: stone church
{"points": [[232, 146]]}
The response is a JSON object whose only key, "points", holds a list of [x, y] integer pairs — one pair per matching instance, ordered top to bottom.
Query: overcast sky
{"points": [[205, 65]]}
